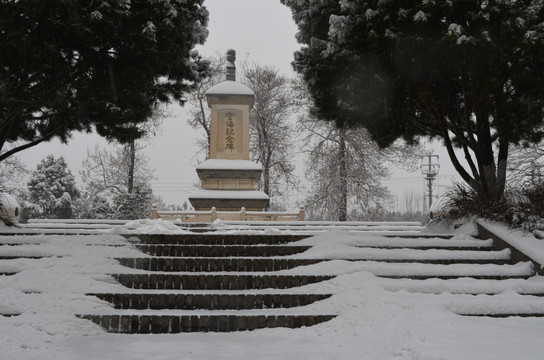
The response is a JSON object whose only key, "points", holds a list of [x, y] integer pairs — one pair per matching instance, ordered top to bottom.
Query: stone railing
{"points": [[213, 214]]}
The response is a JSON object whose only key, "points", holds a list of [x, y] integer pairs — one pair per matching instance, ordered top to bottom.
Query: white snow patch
{"points": [[230, 88], [226, 164], [229, 194], [147, 226], [524, 242]]}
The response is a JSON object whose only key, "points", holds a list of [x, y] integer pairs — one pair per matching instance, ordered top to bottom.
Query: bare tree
{"points": [[199, 114], [150, 128], [271, 133], [526, 164], [346, 167], [109, 171], [12, 175], [12, 181], [116, 182], [412, 204]]}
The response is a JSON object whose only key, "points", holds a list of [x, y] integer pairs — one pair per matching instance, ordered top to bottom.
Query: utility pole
{"points": [[429, 168]]}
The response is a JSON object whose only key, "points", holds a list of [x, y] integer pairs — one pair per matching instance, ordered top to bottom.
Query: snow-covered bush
{"points": [[467, 202], [135, 205], [90, 206], [522, 207], [526, 208]]}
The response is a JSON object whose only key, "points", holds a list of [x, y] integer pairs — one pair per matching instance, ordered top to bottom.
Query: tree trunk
{"points": [[205, 125], [131, 165], [502, 165], [266, 172], [492, 175], [343, 181]]}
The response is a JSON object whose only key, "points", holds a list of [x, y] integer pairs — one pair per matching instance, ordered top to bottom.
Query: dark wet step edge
{"points": [[215, 239], [221, 250], [33, 257], [169, 264], [8, 273], [454, 276], [216, 281], [208, 301], [504, 315], [171, 324]]}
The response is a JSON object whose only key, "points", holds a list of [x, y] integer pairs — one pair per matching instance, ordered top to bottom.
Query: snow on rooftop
{"points": [[230, 88], [226, 164]]}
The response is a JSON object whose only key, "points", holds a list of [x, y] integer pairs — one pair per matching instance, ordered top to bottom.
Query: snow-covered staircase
{"points": [[477, 280], [209, 282], [214, 282], [230, 282]]}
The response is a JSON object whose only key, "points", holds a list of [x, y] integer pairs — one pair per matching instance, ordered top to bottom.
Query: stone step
{"points": [[419, 236], [216, 239], [15, 243], [424, 243], [429, 247], [221, 250], [15, 257], [439, 261], [170, 264], [214, 264], [454, 276], [216, 282], [532, 286], [471, 293], [217, 301], [503, 305], [504, 315], [171, 324]]}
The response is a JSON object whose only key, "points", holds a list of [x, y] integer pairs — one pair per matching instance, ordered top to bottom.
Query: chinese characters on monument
{"points": [[230, 133]]}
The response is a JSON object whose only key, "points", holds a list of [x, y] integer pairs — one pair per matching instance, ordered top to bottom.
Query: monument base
{"points": [[229, 200]]}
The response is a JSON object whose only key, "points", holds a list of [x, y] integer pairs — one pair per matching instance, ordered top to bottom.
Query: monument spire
{"points": [[231, 68]]}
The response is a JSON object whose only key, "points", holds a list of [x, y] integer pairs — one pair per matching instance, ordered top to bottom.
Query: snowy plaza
{"points": [[383, 307]]}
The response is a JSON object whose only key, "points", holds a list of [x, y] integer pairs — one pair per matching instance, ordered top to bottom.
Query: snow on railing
{"points": [[213, 214]]}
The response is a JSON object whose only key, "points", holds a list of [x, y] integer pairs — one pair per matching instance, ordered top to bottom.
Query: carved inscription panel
{"points": [[229, 134]]}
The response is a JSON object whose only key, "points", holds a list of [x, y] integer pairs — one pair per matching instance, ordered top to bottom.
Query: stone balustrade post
{"points": [[154, 212]]}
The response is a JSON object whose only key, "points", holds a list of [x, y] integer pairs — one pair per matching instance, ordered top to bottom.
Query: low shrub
{"points": [[519, 208]]}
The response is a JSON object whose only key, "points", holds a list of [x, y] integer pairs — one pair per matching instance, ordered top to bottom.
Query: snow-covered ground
{"points": [[377, 318]]}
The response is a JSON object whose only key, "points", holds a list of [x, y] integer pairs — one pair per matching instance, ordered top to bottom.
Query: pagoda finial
{"points": [[231, 68]]}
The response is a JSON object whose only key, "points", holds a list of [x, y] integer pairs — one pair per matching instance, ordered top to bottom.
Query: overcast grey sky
{"points": [[262, 30]]}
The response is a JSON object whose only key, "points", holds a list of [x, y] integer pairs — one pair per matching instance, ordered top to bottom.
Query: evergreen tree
{"points": [[93, 65], [468, 72], [52, 189]]}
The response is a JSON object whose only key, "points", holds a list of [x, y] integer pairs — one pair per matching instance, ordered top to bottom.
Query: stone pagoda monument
{"points": [[229, 178]]}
